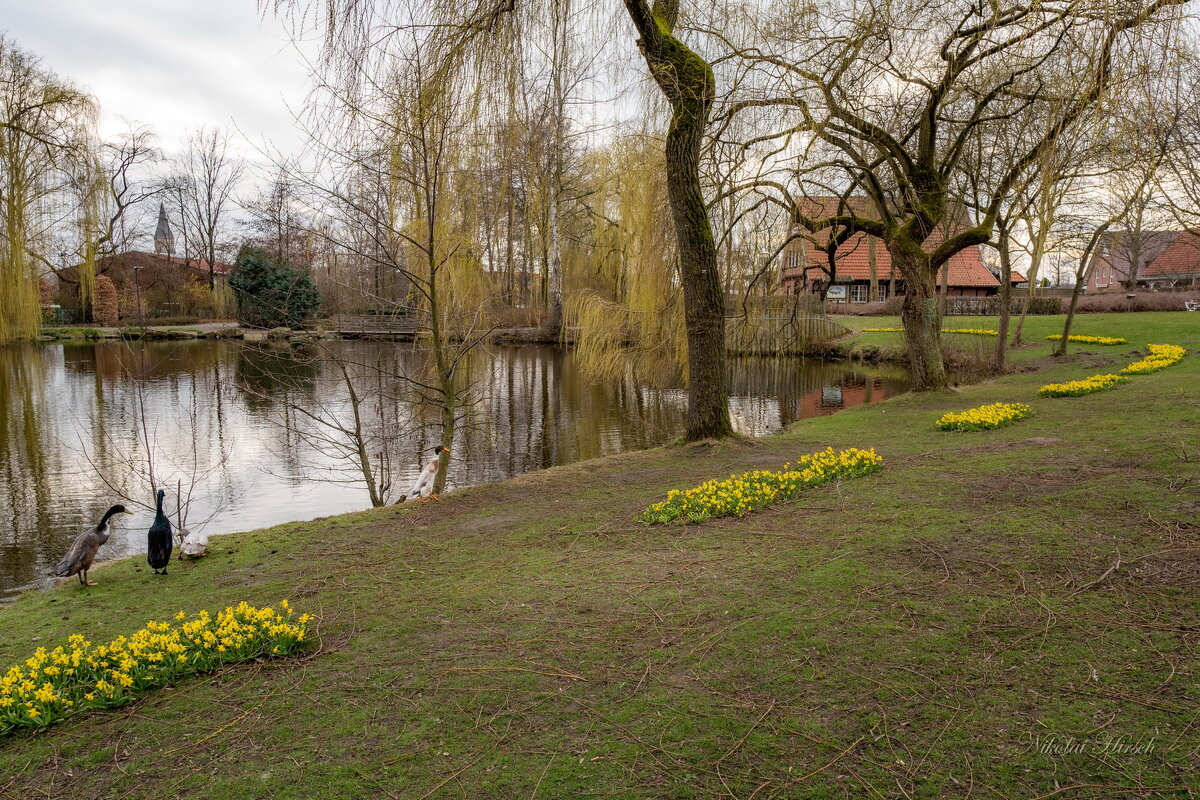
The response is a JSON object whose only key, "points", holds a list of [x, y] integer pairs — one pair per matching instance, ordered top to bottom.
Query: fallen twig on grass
{"points": [[1116, 566], [819, 769]]}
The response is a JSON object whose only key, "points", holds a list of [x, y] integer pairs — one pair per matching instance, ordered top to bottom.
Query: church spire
{"points": [[164, 241]]}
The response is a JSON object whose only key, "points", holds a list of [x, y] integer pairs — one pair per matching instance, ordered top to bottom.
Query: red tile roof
{"points": [[852, 257], [1181, 257]]}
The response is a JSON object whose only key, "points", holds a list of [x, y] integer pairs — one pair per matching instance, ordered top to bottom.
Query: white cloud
{"points": [[173, 65]]}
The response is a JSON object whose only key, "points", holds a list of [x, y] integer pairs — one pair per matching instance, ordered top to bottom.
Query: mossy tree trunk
{"points": [[687, 82], [922, 333]]}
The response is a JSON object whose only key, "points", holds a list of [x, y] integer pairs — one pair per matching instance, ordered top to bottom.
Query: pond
{"points": [[229, 424]]}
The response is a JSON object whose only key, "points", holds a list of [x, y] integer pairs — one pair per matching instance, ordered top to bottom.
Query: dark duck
{"points": [[159, 540], [78, 559]]}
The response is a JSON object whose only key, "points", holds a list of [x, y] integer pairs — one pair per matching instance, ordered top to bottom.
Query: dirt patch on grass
{"points": [[1179, 568]]}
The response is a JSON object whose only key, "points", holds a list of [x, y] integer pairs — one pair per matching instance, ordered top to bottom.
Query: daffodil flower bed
{"points": [[973, 331], [1057, 337], [1161, 356], [1095, 383], [983, 418], [750, 491], [52, 685]]}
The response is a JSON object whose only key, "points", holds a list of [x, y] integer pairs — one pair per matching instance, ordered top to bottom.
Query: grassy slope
{"points": [[907, 634]]}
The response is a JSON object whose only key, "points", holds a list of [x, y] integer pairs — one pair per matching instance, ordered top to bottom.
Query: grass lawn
{"points": [[1137, 328], [951, 626]]}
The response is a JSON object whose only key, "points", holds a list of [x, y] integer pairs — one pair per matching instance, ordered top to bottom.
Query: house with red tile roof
{"points": [[1163, 259], [861, 266], [165, 284]]}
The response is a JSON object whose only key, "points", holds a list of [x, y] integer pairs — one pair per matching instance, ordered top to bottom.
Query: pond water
{"points": [[231, 425]]}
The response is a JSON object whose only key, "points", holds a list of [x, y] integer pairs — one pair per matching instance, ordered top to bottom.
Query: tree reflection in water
{"points": [[212, 401]]}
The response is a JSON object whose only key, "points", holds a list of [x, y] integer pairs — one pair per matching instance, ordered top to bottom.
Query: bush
{"points": [[270, 292], [1145, 301], [104, 302], [972, 306], [990, 306], [1039, 306], [875, 309]]}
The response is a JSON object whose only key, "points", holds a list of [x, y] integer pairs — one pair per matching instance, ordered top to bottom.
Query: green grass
{"points": [[1139, 329], [73, 333], [912, 633]]}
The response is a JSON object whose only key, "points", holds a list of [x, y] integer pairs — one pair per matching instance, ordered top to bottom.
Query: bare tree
{"points": [[893, 94], [123, 159], [211, 172]]}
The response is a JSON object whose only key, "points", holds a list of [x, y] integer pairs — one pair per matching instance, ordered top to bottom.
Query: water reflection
{"points": [[231, 416]]}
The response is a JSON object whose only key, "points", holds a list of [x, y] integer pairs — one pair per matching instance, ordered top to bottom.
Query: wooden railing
{"points": [[374, 325]]}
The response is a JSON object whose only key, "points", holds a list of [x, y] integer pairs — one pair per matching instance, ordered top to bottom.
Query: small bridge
{"points": [[375, 326]]}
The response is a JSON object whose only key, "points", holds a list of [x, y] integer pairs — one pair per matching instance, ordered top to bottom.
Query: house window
{"points": [[794, 257], [881, 292], [859, 293]]}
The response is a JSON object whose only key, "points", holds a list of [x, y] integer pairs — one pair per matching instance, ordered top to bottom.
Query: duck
{"points": [[423, 486], [158, 539], [194, 545], [78, 559]]}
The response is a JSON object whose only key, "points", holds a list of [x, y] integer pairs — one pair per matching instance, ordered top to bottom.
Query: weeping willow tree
{"points": [[45, 133], [89, 184], [626, 308]]}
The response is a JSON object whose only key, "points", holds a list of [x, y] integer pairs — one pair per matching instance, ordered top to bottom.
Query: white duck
{"points": [[423, 487], [194, 545]]}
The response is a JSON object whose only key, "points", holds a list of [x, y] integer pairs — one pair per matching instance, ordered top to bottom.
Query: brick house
{"points": [[1165, 260], [862, 268], [164, 282]]}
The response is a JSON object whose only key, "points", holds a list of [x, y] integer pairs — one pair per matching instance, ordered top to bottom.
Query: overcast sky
{"points": [[173, 64]]}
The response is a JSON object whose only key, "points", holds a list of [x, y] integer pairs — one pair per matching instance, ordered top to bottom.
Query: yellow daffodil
{"points": [[1054, 337], [996, 415], [750, 491], [77, 676]]}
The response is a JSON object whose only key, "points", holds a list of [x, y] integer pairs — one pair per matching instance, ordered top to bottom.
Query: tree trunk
{"points": [[687, 81], [1035, 264], [1080, 280], [943, 293], [704, 304], [555, 312], [919, 315], [553, 323], [1061, 350], [1000, 363], [449, 423], [360, 443]]}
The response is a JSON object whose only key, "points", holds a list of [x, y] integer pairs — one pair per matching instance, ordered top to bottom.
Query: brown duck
{"points": [[78, 559]]}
